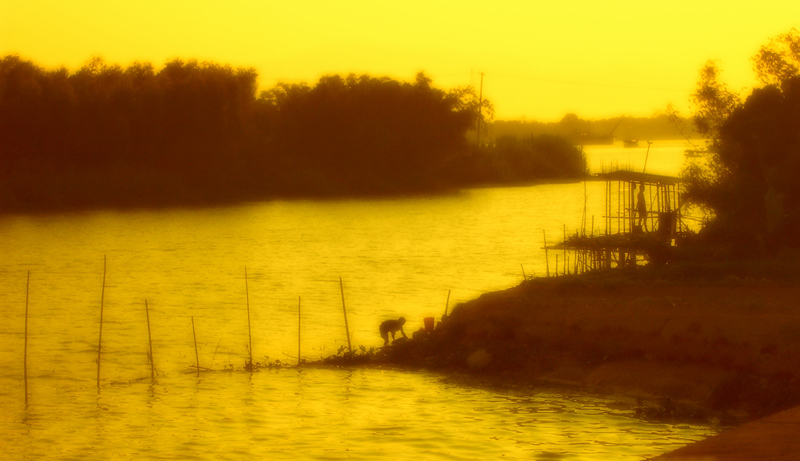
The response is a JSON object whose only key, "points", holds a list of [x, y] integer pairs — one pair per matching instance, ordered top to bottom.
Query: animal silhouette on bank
{"points": [[391, 327]]}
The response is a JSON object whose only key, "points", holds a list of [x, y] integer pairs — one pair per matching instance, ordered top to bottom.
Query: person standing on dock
{"points": [[641, 208]]}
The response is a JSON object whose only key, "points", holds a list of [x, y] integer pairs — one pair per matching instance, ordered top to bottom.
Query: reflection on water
{"points": [[396, 257], [323, 414]]}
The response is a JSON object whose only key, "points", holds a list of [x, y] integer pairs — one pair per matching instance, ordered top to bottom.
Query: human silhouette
{"points": [[641, 207]]}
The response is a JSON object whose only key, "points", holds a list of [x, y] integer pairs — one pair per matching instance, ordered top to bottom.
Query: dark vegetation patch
{"points": [[200, 133]]}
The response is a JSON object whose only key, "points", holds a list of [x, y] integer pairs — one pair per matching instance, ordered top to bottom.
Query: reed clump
{"points": [[265, 364]]}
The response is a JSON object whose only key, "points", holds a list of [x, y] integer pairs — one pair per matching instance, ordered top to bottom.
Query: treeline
{"points": [[601, 131], [200, 133], [105, 135]]}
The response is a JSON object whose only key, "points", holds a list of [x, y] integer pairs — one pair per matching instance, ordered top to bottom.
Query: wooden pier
{"points": [[642, 223]]}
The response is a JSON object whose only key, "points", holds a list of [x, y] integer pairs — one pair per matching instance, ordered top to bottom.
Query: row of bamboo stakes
{"points": [[194, 333], [249, 364]]}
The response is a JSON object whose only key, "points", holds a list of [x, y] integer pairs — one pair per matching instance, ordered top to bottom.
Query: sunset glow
{"points": [[541, 60]]}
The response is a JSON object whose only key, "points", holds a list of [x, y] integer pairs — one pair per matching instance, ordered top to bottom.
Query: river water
{"points": [[287, 265]]}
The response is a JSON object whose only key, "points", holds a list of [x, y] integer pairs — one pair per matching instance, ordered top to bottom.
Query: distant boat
{"points": [[608, 138], [630, 143], [693, 153]]}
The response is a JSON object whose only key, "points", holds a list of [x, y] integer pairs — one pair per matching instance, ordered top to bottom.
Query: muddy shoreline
{"points": [[712, 342]]}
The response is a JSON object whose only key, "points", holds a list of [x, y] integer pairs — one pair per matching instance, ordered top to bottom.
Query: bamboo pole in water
{"points": [[620, 191], [585, 200], [630, 210], [604, 216], [565, 249], [546, 258], [556, 264], [524, 277], [447, 303], [346, 328], [249, 331], [298, 331], [100, 338], [150, 342], [25, 355], [196, 355]]}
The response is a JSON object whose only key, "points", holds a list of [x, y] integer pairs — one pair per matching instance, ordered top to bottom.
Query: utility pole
{"points": [[480, 111], [646, 155]]}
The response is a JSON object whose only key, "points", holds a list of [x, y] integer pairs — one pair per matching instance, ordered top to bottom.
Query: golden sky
{"points": [[541, 59]]}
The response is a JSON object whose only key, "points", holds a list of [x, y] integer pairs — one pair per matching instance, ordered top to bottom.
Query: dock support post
{"points": [[344, 309]]}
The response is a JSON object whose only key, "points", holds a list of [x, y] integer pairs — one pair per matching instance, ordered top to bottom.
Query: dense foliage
{"points": [[199, 132], [368, 134], [108, 135], [521, 159], [750, 178]]}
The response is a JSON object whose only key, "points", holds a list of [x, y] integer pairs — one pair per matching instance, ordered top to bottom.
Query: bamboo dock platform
{"points": [[638, 227]]}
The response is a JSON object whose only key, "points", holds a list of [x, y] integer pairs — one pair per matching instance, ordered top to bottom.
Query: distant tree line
{"points": [[579, 131], [200, 132], [749, 179]]}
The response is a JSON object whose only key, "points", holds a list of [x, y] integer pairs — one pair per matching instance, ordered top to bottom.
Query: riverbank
{"points": [[712, 342], [773, 438]]}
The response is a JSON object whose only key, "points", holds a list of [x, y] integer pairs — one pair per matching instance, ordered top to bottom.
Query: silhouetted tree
{"points": [[779, 60], [713, 101], [366, 134], [751, 178]]}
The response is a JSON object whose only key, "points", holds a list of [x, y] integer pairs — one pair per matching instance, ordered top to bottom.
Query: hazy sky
{"points": [[540, 59]]}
